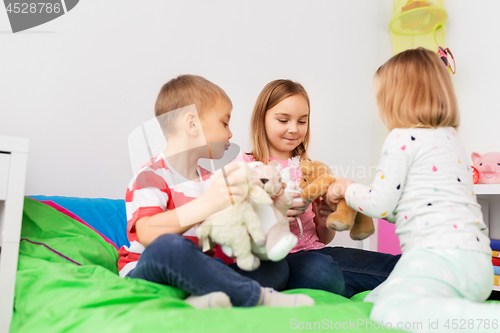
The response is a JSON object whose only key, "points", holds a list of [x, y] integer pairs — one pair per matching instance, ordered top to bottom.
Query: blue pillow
{"points": [[107, 216]]}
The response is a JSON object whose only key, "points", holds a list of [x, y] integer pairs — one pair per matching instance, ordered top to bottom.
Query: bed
{"points": [[67, 281]]}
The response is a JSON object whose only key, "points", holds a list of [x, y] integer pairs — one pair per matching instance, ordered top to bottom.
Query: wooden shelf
{"points": [[487, 189], [488, 196]]}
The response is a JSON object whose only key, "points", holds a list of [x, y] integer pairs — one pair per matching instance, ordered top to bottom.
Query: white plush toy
{"points": [[292, 187], [233, 227], [279, 239]]}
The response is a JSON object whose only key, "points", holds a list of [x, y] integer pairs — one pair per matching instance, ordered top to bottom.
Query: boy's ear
{"points": [[191, 123]]}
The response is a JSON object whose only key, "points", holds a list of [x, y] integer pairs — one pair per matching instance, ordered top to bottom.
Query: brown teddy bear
{"points": [[314, 182]]}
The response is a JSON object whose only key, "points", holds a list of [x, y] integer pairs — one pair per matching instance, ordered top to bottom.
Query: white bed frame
{"points": [[13, 161]]}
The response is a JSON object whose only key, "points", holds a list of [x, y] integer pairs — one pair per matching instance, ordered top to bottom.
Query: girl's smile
{"points": [[286, 126]]}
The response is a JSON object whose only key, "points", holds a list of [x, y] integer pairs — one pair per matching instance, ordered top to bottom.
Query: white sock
{"points": [[271, 297], [214, 300]]}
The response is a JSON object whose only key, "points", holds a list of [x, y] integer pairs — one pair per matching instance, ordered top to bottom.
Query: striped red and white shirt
{"points": [[156, 188]]}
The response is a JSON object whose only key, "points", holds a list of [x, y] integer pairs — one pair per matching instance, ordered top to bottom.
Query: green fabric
{"points": [[44, 224], [55, 295]]}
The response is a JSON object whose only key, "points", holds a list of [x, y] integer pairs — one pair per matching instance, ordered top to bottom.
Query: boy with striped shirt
{"points": [[171, 194]]}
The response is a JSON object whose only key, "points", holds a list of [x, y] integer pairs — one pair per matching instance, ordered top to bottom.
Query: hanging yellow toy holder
{"points": [[418, 23]]}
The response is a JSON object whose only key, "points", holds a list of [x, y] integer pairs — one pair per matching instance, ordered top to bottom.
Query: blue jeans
{"points": [[176, 261], [343, 271]]}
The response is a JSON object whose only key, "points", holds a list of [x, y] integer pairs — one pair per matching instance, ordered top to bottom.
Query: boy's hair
{"points": [[414, 89], [183, 91], [273, 93]]}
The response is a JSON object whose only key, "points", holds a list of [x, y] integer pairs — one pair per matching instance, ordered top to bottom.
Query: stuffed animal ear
{"points": [[475, 157], [275, 164], [253, 165], [306, 167], [286, 174]]}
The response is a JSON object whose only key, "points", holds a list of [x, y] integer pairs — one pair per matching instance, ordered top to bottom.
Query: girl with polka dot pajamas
{"points": [[280, 132], [424, 185]]}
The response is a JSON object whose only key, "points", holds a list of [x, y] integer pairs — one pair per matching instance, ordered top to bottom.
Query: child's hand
{"points": [[225, 191], [336, 191], [298, 208], [322, 210]]}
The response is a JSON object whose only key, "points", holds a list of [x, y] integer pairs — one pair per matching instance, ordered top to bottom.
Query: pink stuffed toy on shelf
{"points": [[488, 166]]}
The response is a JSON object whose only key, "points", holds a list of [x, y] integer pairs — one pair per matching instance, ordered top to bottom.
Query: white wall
{"points": [[473, 34], [77, 86]]}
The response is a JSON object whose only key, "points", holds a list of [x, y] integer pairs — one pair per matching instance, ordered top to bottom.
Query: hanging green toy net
{"points": [[417, 23]]}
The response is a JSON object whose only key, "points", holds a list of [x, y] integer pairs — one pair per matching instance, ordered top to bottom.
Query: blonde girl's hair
{"points": [[414, 89], [273, 93]]}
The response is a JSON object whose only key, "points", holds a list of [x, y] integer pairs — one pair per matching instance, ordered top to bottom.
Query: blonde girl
{"points": [[280, 132], [424, 185]]}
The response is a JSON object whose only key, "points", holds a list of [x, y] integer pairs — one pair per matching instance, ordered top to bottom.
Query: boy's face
{"points": [[215, 124]]}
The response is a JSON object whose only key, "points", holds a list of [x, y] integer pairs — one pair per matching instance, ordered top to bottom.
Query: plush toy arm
{"points": [[317, 188], [283, 202], [254, 226], [363, 227], [203, 232], [207, 244]]}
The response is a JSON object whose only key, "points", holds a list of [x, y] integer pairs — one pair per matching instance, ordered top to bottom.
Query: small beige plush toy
{"points": [[314, 182], [233, 227], [279, 239]]}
